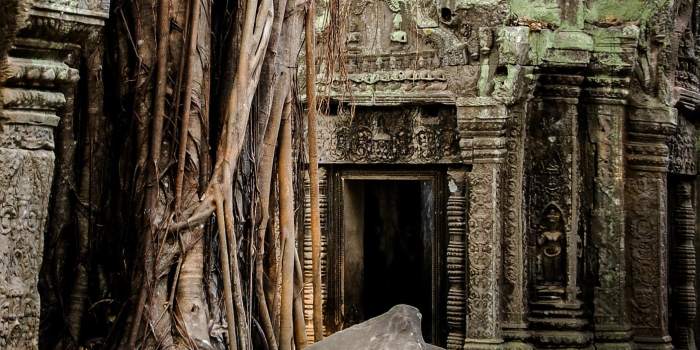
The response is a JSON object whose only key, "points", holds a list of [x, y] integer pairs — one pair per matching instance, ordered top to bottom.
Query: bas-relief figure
{"points": [[565, 136], [551, 252]]}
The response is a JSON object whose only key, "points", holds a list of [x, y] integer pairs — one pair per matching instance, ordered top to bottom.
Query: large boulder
{"points": [[397, 329]]}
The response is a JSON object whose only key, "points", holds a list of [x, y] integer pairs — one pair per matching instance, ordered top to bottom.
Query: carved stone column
{"points": [[33, 100], [605, 101], [481, 121], [683, 168], [645, 223], [555, 226], [456, 239], [683, 260]]}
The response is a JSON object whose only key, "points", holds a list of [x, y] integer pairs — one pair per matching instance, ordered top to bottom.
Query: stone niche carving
{"points": [[390, 135]]}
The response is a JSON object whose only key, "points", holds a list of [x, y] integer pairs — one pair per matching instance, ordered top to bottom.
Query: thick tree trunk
{"points": [[313, 171], [168, 256], [286, 338]]}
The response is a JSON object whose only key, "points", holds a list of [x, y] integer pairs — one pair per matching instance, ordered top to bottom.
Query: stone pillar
{"points": [[33, 99], [605, 101], [481, 122], [682, 210], [646, 223], [555, 225], [456, 239]]}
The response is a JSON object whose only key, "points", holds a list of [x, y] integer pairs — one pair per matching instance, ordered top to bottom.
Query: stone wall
{"points": [[576, 121]]}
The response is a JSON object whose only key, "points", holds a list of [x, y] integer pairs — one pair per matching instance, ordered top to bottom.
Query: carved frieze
{"points": [[389, 135]]}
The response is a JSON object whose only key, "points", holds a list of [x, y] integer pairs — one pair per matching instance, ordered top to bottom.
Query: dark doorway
{"points": [[389, 229]]}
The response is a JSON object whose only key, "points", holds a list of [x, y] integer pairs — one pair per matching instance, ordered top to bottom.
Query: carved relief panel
{"points": [[400, 51], [389, 135]]}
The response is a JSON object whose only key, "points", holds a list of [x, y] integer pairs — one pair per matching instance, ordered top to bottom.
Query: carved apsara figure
{"points": [[551, 250]]}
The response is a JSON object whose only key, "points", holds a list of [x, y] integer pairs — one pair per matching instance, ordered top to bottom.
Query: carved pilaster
{"points": [[32, 96], [605, 100], [482, 122], [26, 151], [683, 168], [645, 223], [555, 228], [456, 236], [307, 266], [514, 296]]}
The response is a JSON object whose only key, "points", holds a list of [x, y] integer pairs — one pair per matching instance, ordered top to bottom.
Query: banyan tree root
{"points": [[313, 171], [286, 337]]}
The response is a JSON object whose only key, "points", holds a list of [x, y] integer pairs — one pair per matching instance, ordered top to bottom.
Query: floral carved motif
{"points": [[25, 181], [645, 202], [513, 230], [483, 242]]}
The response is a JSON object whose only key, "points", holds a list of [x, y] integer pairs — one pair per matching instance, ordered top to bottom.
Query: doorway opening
{"points": [[390, 241]]}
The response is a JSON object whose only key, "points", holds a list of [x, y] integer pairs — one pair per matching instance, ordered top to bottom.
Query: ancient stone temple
{"points": [[41, 44], [523, 172]]}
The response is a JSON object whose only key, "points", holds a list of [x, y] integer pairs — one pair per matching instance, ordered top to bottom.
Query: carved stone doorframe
{"points": [[336, 239]]}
